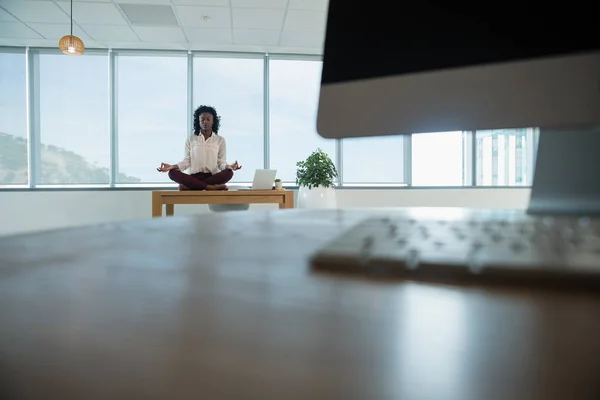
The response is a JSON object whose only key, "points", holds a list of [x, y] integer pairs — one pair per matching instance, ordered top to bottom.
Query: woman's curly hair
{"points": [[210, 110]]}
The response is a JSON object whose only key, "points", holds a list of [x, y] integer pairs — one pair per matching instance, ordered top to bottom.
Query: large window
{"points": [[234, 86], [294, 94], [151, 113], [13, 119], [74, 119], [110, 119], [504, 157], [438, 159], [376, 160]]}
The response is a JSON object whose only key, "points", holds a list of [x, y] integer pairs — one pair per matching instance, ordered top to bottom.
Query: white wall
{"points": [[26, 211]]}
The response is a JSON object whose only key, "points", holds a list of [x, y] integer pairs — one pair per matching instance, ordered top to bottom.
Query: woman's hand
{"points": [[164, 167], [234, 167]]}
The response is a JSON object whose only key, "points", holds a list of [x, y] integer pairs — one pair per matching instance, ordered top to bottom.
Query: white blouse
{"points": [[204, 155]]}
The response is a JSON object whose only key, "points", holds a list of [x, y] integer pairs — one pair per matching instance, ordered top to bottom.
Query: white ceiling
{"points": [[274, 26]]}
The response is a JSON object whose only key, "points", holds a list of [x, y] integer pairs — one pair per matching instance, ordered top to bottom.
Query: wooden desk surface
{"points": [[221, 193], [285, 198], [224, 306]]}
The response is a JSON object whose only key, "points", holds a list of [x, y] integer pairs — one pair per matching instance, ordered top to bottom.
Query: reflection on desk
{"points": [[225, 306]]}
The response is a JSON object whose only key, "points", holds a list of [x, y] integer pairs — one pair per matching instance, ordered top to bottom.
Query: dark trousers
{"points": [[200, 180]]}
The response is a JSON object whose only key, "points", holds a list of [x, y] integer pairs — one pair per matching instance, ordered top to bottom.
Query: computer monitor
{"points": [[432, 66], [393, 68]]}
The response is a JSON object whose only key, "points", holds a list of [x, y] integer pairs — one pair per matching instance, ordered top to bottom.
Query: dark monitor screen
{"points": [[382, 38]]}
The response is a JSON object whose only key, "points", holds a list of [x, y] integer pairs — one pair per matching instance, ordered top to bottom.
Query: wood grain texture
{"points": [[225, 305]]}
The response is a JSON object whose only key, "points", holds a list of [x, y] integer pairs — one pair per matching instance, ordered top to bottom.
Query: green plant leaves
{"points": [[316, 171]]}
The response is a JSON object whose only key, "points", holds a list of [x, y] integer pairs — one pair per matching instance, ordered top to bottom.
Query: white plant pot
{"points": [[278, 185], [317, 197]]}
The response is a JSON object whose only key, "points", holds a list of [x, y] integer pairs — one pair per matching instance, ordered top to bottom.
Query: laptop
{"points": [[263, 180]]}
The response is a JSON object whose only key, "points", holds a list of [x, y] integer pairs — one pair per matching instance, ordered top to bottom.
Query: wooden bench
{"points": [[285, 198]]}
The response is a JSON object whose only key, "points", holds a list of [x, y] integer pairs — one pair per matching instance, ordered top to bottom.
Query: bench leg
{"points": [[288, 200], [156, 205], [170, 209]]}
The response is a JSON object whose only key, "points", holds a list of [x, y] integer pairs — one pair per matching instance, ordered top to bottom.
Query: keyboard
{"points": [[556, 251]]}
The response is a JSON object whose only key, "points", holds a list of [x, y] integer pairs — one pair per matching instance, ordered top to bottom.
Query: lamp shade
{"points": [[71, 45]]}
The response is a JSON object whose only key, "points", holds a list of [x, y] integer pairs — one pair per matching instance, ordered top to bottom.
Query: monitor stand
{"points": [[566, 179]]}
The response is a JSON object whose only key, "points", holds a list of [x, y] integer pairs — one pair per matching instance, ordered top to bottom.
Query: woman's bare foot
{"points": [[181, 187], [217, 187]]}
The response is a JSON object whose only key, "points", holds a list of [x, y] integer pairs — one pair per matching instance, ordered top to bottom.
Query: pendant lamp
{"points": [[69, 44]]}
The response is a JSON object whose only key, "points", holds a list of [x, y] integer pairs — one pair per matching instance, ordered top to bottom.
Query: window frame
{"points": [[23, 51], [114, 55], [192, 55], [292, 57], [34, 117], [531, 138], [34, 139], [467, 162], [406, 171]]}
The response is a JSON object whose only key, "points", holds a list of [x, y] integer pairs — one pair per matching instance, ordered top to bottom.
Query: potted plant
{"points": [[315, 177], [278, 184]]}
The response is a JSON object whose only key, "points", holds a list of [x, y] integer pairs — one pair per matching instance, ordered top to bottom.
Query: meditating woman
{"points": [[205, 156]]}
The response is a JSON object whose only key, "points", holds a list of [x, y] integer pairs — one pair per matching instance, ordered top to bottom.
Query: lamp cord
{"points": [[71, 17]]}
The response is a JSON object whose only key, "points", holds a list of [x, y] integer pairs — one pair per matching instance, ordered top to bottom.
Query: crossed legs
{"points": [[201, 180]]}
